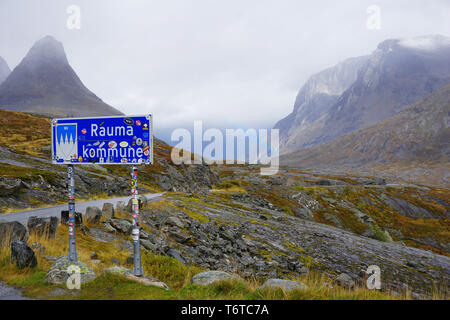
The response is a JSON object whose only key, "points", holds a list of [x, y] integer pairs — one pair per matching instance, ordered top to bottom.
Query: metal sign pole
{"points": [[71, 186], [135, 231]]}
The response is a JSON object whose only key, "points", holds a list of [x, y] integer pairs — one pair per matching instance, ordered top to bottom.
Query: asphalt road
{"points": [[55, 211]]}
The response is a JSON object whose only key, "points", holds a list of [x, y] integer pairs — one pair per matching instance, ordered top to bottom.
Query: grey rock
{"points": [[121, 207], [408, 209], [108, 210], [93, 215], [174, 221], [121, 225], [43, 227], [12, 231], [144, 234], [178, 235], [148, 245], [176, 254], [22, 255], [117, 270], [208, 277], [146, 280], [344, 280], [286, 285]]}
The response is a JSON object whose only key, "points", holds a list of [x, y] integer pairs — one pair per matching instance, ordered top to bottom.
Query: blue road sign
{"points": [[104, 140]]}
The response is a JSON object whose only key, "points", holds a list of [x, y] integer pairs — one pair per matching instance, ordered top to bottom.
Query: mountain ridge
{"points": [[398, 73], [420, 133]]}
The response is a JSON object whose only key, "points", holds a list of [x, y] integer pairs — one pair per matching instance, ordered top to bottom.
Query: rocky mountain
{"points": [[4, 70], [396, 74], [45, 83], [314, 101], [420, 133]]}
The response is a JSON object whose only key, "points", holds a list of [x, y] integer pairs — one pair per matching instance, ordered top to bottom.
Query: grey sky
{"points": [[229, 63]]}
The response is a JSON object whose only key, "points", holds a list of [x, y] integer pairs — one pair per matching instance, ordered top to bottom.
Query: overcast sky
{"points": [[229, 63]]}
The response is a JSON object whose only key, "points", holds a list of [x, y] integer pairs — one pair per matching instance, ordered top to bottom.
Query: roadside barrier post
{"points": [[71, 189], [137, 271]]}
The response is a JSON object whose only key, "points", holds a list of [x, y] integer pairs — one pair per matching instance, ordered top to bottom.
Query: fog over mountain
{"points": [[399, 72], [45, 83]]}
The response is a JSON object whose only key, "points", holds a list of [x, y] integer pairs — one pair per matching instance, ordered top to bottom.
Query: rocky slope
{"points": [[4, 70], [396, 74], [45, 83], [418, 134], [234, 219], [253, 233]]}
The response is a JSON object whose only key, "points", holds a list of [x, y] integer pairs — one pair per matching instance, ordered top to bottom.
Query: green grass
{"points": [[379, 234]]}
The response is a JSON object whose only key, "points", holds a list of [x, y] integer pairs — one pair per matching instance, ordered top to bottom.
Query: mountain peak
{"points": [[47, 49], [45, 83]]}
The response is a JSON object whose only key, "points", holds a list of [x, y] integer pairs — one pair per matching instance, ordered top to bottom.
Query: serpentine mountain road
{"points": [[55, 211]]}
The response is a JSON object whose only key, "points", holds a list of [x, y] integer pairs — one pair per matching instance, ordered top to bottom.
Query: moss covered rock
{"points": [[59, 273]]}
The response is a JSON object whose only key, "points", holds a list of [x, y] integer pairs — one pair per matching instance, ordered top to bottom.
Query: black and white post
{"points": [[71, 189], [137, 271]]}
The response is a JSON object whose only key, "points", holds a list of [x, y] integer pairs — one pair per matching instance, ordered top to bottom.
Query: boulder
{"points": [[10, 187], [121, 208], [108, 210], [93, 215], [65, 218], [174, 221], [121, 225], [45, 226], [12, 231], [178, 235], [147, 245], [176, 254], [22, 255], [117, 270], [58, 272], [208, 277], [146, 280], [344, 280], [286, 285]]}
